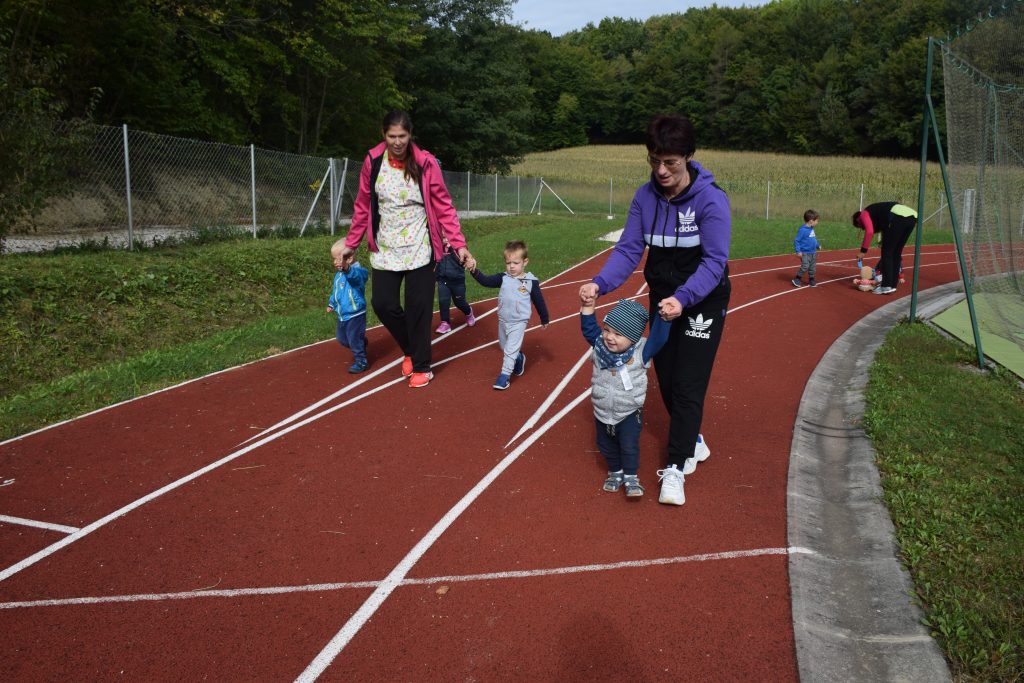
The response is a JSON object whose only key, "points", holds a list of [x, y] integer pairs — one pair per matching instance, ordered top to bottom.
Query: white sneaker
{"points": [[701, 452], [671, 486]]}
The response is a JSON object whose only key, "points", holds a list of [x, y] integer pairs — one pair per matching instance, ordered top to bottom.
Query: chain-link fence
{"points": [[124, 188]]}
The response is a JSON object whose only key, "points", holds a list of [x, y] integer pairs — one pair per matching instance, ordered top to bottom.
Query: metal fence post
{"points": [[469, 177], [252, 185], [611, 185], [128, 186], [341, 189], [495, 193], [517, 196], [862, 196], [768, 200], [330, 210]]}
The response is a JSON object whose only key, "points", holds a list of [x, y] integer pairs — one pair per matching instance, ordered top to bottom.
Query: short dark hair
{"points": [[671, 134], [810, 215], [855, 219], [516, 245]]}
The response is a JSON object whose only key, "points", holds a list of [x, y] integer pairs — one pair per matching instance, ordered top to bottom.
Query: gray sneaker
{"points": [[613, 482], [633, 487]]}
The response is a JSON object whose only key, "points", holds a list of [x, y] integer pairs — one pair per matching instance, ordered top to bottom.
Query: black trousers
{"points": [[894, 238], [409, 325], [683, 367]]}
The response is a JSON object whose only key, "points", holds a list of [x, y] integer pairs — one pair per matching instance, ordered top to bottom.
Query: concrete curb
{"points": [[854, 618]]}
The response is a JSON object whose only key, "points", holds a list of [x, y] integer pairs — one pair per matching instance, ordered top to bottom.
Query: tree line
{"points": [[315, 76]]}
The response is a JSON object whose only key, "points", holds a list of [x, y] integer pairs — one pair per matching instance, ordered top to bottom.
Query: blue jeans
{"points": [[448, 292], [352, 335], [620, 443]]}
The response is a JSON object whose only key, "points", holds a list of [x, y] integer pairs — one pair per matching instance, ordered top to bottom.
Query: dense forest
{"points": [[315, 76]]}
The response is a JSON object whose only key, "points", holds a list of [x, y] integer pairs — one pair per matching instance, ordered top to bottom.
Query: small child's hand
{"points": [[330, 310]]}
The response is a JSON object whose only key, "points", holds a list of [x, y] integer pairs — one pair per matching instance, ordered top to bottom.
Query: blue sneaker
{"points": [[358, 366], [520, 366], [502, 382]]}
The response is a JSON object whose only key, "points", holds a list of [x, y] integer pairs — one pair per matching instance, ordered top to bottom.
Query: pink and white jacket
{"points": [[442, 219]]}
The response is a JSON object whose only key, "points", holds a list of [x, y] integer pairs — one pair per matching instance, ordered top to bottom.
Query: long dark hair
{"points": [[402, 119]]}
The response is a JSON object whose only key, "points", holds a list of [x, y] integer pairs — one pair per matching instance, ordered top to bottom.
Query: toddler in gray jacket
{"points": [[619, 385]]}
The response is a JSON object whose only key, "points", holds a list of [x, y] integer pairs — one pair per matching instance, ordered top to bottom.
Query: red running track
{"points": [[285, 520]]}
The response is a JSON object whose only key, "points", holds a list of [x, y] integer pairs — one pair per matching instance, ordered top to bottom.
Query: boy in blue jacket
{"points": [[806, 246], [348, 300]]}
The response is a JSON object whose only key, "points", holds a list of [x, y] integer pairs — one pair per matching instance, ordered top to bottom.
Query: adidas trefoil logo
{"points": [[687, 221], [698, 326]]}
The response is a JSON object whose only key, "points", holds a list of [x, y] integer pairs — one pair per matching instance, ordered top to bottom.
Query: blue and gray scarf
{"points": [[607, 360]]}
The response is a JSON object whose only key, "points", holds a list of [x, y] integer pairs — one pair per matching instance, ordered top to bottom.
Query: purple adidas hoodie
{"points": [[694, 228]]}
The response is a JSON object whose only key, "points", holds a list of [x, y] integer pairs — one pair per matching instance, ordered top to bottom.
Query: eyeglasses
{"points": [[669, 164]]}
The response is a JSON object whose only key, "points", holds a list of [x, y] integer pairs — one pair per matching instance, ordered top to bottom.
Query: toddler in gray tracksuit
{"points": [[519, 293], [619, 385]]}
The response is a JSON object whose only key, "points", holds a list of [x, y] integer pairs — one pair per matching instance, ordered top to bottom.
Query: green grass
{"points": [[950, 443]]}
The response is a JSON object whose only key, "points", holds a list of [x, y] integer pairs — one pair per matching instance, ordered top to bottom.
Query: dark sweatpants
{"points": [[894, 238], [410, 326], [683, 367]]}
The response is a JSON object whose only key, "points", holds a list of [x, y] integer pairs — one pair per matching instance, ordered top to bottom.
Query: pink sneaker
{"points": [[470, 318], [443, 328], [406, 366], [420, 379]]}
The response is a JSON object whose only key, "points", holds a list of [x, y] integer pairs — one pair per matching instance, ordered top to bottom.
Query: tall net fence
{"points": [[983, 72]]}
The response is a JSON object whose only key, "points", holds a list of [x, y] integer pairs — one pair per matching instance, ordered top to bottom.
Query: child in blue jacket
{"points": [[806, 246], [348, 300]]}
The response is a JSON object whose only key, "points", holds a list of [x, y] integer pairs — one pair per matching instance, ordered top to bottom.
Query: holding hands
{"points": [[466, 259], [588, 294]]}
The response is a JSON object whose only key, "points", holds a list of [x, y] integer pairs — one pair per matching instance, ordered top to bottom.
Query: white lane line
{"points": [[794, 290], [378, 371], [158, 391], [555, 393], [120, 512], [42, 525], [398, 574], [458, 578]]}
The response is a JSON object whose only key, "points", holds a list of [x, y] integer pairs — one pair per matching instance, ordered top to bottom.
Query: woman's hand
{"points": [[348, 257], [466, 259], [588, 293], [669, 308]]}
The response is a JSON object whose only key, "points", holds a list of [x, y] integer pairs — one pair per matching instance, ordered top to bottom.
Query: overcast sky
{"points": [[562, 16]]}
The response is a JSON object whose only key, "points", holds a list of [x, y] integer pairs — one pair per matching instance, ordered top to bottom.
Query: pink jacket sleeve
{"points": [[361, 210], [444, 214], [869, 231]]}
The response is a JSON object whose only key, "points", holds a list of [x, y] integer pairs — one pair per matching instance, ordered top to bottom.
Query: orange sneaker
{"points": [[406, 366], [420, 379]]}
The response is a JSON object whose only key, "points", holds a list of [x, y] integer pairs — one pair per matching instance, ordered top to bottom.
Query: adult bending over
{"points": [[404, 209], [682, 219], [894, 222]]}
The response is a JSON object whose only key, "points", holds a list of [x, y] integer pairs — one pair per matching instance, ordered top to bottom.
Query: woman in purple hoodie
{"points": [[681, 218]]}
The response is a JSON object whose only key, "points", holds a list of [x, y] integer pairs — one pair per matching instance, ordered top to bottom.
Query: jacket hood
{"points": [[700, 179]]}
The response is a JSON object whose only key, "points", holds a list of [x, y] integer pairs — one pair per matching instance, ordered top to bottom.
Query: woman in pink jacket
{"points": [[404, 209]]}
